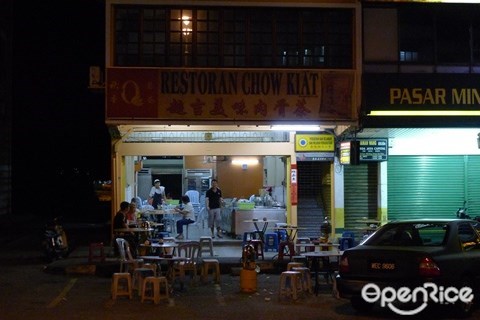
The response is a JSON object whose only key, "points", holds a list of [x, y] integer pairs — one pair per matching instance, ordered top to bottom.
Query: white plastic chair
{"points": [[194, 196], [199, 210], [127, 262]]}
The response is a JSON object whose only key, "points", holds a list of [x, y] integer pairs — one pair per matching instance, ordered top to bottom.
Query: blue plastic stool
{"points": [[163, 234], [282, 235], [271, 242], [345, 243]]}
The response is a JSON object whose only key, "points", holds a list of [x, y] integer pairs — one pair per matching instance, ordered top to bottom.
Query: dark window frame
{"points": [[322, 37]]}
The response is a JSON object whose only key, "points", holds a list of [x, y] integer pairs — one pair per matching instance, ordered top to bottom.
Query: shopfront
{"points": [[210, 85], [433, 165]]}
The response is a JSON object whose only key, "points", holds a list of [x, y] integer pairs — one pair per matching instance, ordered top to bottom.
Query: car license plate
{"points": [[382, 266]]}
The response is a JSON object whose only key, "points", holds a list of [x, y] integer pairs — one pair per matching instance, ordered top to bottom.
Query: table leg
{"points": [[264, 229], [315, 261]]}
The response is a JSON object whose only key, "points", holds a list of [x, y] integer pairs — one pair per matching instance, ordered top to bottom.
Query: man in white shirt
{"points": [[187, 216]]}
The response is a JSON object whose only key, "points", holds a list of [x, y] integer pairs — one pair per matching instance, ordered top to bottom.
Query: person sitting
{"points": [[132, 214], [187, 215], [120, 222]]}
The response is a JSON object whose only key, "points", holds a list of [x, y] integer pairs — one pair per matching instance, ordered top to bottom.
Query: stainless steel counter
{"points": [[233, 219]]}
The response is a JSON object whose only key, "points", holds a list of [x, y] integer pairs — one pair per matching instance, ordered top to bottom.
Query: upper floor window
{"points": [[440, 34], [233, 37]]}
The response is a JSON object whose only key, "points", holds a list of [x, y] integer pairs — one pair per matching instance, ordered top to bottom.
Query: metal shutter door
{"points": [[425, 186], [473, 186], [361, 196]]}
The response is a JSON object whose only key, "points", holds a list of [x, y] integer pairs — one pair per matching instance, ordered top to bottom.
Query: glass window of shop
{"points": [[439, 35], [233, 37]]}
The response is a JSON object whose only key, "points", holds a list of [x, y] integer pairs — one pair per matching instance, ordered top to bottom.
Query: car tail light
{"points": [[343, 265], [428, 268]]}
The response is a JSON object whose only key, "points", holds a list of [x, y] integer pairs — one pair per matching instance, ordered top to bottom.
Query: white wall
{"points": [[437, 142]]}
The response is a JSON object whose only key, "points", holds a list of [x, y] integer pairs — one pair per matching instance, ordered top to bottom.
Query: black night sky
{"points": [[60, 140]]}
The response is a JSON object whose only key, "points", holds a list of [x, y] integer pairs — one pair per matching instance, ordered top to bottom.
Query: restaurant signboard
{"points": [[229, 94]]}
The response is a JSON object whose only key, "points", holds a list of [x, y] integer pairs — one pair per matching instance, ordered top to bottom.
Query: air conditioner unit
{"points": [[145, 171]]}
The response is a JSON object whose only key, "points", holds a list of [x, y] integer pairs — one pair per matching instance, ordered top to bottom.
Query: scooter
{"points": [[462, 212], [55, 244]]}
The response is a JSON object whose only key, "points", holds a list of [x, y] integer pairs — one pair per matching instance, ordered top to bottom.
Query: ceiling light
{"points": [[424, 113], [291, 127], [243, 161]]}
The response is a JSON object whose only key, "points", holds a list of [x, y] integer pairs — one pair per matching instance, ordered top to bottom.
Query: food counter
{"points": [[233, 219]]}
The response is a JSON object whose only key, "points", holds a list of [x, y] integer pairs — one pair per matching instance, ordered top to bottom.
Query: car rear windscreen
{"points": [[410, 234]]}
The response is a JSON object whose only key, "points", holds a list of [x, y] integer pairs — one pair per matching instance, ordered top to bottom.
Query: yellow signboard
{"points": [[314, 142]]}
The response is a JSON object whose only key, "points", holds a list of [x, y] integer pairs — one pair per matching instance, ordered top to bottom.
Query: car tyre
{"points": [[361, 305], [465, 309]]}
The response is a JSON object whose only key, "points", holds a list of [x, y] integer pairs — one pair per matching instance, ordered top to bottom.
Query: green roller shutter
{"points": [[426, 186], [473, 186], [361, 195]]}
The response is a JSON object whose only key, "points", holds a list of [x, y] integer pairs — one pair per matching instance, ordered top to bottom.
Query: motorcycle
{"points": [[462, 212], [55, 244]]}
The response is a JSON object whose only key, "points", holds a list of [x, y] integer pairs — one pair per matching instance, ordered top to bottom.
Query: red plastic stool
{"points": [[258, 245], [96, 251]]}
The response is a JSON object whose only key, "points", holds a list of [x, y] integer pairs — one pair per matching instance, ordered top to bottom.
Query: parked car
{"points": [[423, 254]]}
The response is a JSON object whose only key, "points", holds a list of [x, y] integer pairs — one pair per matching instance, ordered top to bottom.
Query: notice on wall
{"points": [[315, 142], [373, 149]]}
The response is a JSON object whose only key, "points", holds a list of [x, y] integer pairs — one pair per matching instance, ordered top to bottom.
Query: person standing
{"points": [[157, 194], [214, 200], [187, 216]]}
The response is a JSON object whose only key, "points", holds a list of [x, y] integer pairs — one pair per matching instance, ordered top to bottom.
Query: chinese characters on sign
{"points": [[229, 94], [315, 147]]}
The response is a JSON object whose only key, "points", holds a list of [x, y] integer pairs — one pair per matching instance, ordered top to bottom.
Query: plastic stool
{"points": [[163, 234], [249, 235], [282, 235], [271, 241], [345, 243], [206, 245], [258, 245], [286, 245], [96, 251], [207, 264], [291, 265], [151, 266], [139, 274], [306, 278], [290, 284], [121, 285], [152, 289]]}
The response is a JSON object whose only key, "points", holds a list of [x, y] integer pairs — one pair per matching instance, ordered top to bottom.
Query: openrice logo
{"points": [[428, 292]]}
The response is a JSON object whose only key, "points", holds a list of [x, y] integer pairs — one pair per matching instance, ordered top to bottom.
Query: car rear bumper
{"points": [[348, 288]]}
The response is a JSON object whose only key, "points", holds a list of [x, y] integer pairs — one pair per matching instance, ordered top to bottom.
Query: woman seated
{"points": [[132, 214]]}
